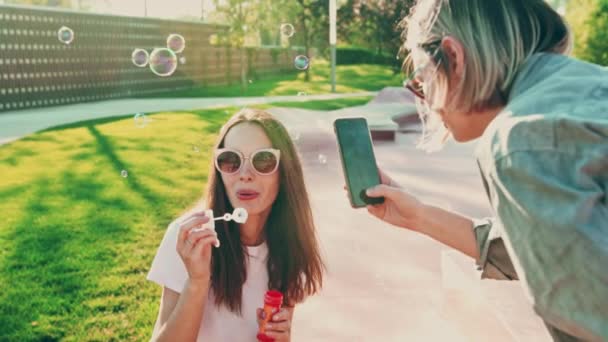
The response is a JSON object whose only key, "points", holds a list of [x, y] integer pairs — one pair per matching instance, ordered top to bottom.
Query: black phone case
{"points": [[362, 195]]}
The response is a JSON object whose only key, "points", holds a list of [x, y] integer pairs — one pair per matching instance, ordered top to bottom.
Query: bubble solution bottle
{"points": [[272, 304]]}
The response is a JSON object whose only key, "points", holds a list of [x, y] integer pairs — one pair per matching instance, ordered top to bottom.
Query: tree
{"points": [[240, 15], [589, 22], [312, 24], [374, 24]]}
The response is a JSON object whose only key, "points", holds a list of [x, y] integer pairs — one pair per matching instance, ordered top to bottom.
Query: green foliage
{"points": [[589, 21], [374, 24], [348, 55], [350, 79]]}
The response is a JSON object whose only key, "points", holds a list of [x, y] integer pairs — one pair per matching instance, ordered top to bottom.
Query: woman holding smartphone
{"points": [[497, 71], [216, 293]]}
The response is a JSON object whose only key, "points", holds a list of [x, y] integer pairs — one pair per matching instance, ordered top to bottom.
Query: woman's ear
{"points": [[454, 53]]}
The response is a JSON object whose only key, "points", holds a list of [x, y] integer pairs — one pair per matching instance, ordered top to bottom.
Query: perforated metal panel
{"points": [[37, 69]]}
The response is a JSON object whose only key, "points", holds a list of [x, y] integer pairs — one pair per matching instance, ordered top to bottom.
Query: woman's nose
{"points": [[246, 172]]}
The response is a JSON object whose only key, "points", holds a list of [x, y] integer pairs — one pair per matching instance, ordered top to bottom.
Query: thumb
{"points": [[383, 190]]}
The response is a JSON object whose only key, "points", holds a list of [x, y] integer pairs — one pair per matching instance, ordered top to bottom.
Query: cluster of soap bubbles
{"points": [[162, 61], [301, 62]]}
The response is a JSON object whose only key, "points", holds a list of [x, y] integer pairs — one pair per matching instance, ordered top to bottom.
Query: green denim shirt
{"points": [[544, 163]]}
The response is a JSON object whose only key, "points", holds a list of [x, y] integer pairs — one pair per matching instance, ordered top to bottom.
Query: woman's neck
{"points": [[252, 231]]}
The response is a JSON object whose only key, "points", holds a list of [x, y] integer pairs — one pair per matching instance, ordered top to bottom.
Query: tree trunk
{"points": [[306, 49]]}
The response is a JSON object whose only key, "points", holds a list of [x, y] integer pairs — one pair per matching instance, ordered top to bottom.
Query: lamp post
{"points": [[332, 42]]}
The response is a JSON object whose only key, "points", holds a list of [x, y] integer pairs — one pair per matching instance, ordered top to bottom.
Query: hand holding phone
{"points": [[358, 160]]}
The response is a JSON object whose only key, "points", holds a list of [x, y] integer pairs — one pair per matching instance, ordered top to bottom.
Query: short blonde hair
{"points": [[498, 36]]}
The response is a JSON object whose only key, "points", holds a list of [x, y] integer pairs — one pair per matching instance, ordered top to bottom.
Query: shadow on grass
{"points": [[215, 118], [86, 123], [105, 148], [17, 154], [63, 245], [55, 258]]}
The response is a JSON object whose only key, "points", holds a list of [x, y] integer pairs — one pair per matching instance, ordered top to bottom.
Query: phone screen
{"points": [[358, 161]]}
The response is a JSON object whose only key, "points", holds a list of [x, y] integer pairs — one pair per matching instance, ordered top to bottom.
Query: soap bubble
{"points": [[287, 30], [65, 35], [176, 43], [140, 57], [182, 60], [163, 62], [301, 62], [250, 81], [301, 93], [141, 120], [195, 149], [322, 159], [124, 173], [239, 215]]}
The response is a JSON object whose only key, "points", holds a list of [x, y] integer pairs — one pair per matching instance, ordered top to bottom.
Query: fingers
{"points": [[383, 190], [377, 211], [194, 220], [195, 238], [201, 243], [262, 314], [283, 315], [277, 328]]}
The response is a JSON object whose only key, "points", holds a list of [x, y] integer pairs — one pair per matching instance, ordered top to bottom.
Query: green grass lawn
{"points": [[350, 78], [77, 238]]}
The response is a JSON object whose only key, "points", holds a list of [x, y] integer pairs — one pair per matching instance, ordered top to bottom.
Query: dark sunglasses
{"points": [[414, 83], [230, 161]]}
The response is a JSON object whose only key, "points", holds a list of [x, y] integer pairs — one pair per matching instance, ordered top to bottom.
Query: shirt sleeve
{"points": [[552, 208], [494, 261], [167, 268]]}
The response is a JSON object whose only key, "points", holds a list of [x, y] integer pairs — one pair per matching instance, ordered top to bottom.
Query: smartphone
{"points": [[358, 160]]}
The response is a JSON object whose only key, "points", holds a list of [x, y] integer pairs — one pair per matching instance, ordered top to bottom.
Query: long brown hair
{"points": [[294, 263]]}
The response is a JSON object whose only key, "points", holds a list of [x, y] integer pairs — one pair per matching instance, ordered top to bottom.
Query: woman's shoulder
{"points": [[509, 133], [540, 133]]}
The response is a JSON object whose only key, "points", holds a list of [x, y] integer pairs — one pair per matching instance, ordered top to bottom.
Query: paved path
{"points": [[16, 124], [388, 284]]}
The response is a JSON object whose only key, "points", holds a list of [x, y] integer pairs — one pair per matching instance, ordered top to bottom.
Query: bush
{"points": [[589, 21], [347, 55]]}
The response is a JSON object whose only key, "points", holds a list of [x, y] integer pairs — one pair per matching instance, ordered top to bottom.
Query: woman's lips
{"points": [[247, 195]]}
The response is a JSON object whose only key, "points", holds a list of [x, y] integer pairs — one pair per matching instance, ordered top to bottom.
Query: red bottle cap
{"points": [[273, 298]]}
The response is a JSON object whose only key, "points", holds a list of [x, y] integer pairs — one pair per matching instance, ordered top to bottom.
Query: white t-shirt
{"points": [[218, 323]]}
